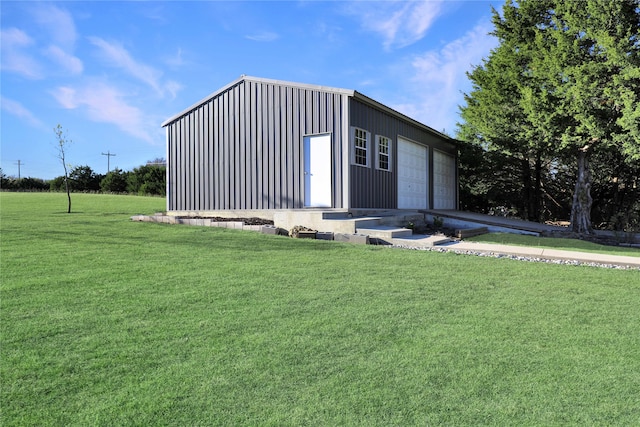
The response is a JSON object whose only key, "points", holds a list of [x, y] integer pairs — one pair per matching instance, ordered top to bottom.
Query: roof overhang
{"points": [[391, 111]]}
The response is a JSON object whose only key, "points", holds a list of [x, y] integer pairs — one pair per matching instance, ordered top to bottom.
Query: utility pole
{"points": [[108, 154], [19, 163]]}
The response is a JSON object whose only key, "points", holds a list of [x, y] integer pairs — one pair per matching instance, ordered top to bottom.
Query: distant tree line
{"points": [[149, 179]]}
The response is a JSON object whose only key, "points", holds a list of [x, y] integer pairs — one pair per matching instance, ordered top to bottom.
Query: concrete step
{"points": [[336, 215], [403, 218], [367, 222], [346, 225], [385, 232], [439, 240], [421, 241]]}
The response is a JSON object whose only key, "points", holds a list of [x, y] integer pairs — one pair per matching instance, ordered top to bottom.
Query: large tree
{"points": [[586, 55], [572, 69], [494, 119]]}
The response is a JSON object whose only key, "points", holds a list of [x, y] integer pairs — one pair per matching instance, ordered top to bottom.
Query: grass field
{"points": [[110, 322]]}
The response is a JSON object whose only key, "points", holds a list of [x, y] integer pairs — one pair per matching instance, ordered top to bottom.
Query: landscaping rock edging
{"points": [[202, 222], [240, 225], [365, 239]]}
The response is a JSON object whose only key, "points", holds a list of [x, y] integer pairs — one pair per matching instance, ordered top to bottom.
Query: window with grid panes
{"points": [[384, 145], [360, 147]]}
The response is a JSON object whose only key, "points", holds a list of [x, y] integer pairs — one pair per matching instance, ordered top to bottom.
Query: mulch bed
{"points": [[246, 221]]}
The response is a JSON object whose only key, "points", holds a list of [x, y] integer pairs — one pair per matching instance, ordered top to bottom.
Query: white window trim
{"points": [[353, 147], [377, 161]]}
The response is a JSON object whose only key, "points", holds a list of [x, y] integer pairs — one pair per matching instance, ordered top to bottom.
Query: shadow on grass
{"points": [[68, 213], [211, 238]]}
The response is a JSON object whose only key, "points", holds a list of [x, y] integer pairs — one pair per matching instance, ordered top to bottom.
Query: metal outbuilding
{"points": [[262, 144]]}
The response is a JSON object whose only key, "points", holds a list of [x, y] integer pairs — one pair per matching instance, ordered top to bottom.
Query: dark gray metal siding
{"points": [[243, 148], [372, 188]]}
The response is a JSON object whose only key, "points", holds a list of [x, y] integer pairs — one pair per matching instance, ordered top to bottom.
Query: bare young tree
{"points": [[62, 143]]}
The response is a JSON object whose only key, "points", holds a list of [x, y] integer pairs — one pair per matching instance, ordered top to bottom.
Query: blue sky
{"points": [[111, 72]]}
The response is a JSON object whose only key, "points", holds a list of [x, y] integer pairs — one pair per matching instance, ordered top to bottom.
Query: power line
{"points": [[108, 154], [19, 164]]}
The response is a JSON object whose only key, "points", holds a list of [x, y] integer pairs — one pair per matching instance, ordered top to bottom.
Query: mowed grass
{"points": [[554, 243], [109, 322]]}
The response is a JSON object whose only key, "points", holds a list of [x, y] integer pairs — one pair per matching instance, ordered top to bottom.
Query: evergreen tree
{"points": [[564, 83], [83, 178], [114, 182]]}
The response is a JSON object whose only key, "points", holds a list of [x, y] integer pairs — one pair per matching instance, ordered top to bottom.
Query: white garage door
{"points": [[412, 175], [444, 181]]}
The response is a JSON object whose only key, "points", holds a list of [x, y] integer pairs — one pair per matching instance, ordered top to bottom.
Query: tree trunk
{"points": [[526, 184], [66, 185], [537, 189], [68, 198], [582, 201]]}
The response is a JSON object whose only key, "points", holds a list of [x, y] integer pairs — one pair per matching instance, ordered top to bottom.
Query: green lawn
{"points": [[554, 243], [109, 322]]}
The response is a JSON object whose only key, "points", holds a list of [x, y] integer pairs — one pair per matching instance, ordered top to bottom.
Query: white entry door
{"points": [[317, 171], [412, 175], [444, 181]]}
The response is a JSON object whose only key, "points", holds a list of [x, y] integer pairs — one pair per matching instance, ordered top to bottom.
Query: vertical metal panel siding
{"points": [[258, 103], [171, 142], [276, 144], [340, 146], [243, 149], [176, 152], [184, 155], [197, 155], [212, 158], [204, 161], [186, 185], [297, 187], [369, 187], [372, 188], [252, 189]]}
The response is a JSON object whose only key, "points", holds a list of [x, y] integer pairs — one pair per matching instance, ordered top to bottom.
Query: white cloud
{"points": [[155, 13], [400, 23], [59, 24], [331, 32], [61, 36], [265, 36], [14, 37], [119, 57], [15, 59], [175, 60], [71, 63], [441, 78], [173, 88], [66, 96], [104, 103], [18, 110]]}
